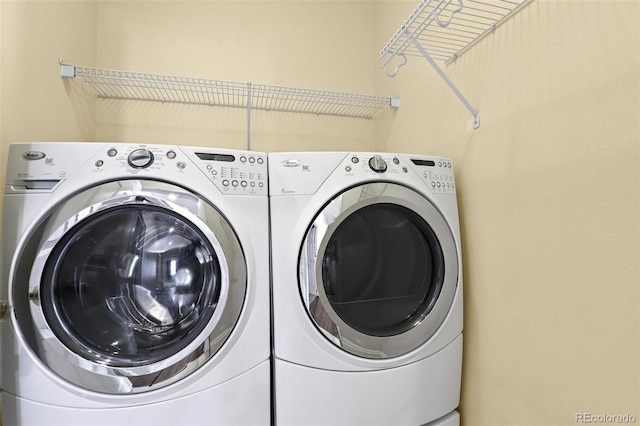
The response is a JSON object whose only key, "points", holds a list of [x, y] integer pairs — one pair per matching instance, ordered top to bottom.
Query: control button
{"points": [[112, 152], [171, 155], [140, 158], [243, 159], [252, 160], [260, 160], [355, 160], [395, 160], [99, 163], [377, 164], [181, 165], [209, 167], [347, 169], [404, 169], [214, 172], [225, 182], [234, 183], [243, 183], [252, 184], [260, 184]]}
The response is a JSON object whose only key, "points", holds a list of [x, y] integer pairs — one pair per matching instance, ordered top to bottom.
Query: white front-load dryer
{"points": [[137, 283], [366, 289]]}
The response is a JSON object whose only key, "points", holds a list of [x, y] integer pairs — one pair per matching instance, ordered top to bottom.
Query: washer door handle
{"points": [[4, 309]]}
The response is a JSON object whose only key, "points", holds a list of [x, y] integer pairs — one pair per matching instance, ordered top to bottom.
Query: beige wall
{"points": [[317, 45], [35, 103], [548, 185], [549, 196]]}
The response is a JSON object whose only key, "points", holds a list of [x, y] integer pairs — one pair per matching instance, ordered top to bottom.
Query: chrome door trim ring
{"points": [[340, 333], [98, 375]]}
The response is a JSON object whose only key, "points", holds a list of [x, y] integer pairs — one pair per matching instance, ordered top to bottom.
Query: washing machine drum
{"points": [[378, 270], [135, 285]]}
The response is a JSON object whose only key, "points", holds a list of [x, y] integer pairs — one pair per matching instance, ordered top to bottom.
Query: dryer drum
{"points": [[383, 269]]}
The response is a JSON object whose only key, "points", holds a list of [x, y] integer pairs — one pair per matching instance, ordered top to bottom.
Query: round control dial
{"points": [[140, 158], [377, 164]]}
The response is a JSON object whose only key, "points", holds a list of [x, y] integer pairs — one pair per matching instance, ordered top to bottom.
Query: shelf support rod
{"points": [[458, 93], [249, 116]]}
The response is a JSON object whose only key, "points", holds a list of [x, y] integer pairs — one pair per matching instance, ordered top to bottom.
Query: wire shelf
{"points": [[447, 28], [441, 30], [109, 83]]}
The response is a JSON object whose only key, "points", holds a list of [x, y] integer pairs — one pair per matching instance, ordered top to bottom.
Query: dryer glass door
{"points": [[379, 269], [382, 269]]}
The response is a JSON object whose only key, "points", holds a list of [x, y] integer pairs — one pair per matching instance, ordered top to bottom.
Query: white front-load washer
{"points": [[137, 283], [366, 289]]}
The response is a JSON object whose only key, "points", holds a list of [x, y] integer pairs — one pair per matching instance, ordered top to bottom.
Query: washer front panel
{"points": [[378, 270], [130, 286]]}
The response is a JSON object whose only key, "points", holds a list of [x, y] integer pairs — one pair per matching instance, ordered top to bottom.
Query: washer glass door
{"points": [[378, 270], [130, 285], [135, 285]]}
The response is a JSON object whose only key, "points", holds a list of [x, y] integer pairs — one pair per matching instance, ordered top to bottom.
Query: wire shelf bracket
{"points": [[441, 30], [117, 84]]}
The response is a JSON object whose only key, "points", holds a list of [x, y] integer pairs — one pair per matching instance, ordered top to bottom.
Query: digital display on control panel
{"points": [[216, 157], [423, 162]]}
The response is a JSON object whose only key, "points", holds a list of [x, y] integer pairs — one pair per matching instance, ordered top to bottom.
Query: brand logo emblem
{"points": [[33, 155], [291, 163]]}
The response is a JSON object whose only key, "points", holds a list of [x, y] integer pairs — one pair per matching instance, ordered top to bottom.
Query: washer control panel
{"points": [[135, 158], [140, 158], [377, 164], [232, 172], [436, 172], [241, 173]]}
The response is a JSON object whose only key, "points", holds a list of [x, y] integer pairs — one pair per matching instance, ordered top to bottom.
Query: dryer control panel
{"points": [[435, 171], [305, 172]]}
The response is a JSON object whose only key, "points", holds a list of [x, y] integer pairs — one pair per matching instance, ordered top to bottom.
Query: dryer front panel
{"points": [[378, 270], [135, 284]]}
